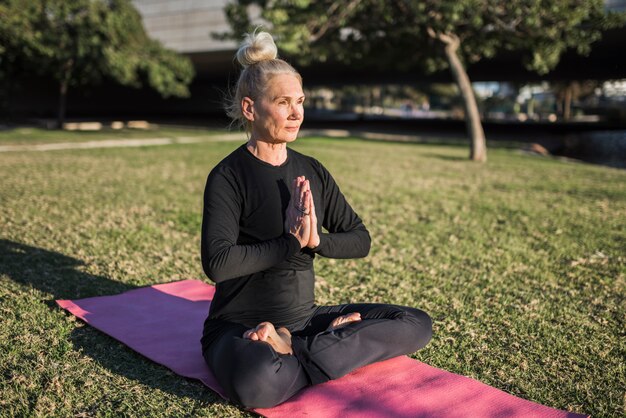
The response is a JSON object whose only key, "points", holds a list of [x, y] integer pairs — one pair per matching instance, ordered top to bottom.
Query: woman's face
{"points": [[278, 114]]}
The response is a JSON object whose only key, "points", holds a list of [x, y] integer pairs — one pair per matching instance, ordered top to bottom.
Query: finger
{"points": [[307, 186], [303, 188], [297, 192], [303, 196], [312, 202], [306, 204], [313, 216], [306, 222]]}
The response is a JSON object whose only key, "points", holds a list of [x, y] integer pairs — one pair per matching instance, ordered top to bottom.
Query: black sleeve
{"points": [[347, 237], [222, 258]]}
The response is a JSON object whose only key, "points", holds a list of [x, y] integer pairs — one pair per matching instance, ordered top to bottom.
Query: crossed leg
{"points": [[383, 331], [256, 369], [251, 372]]}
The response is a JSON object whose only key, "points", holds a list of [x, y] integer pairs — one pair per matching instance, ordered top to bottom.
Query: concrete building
{"points": [[187, 26]]}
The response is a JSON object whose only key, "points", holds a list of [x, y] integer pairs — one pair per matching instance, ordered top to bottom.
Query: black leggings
{"points": [[253, 375]]}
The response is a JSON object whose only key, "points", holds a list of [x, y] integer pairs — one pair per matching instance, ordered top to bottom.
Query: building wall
{"points": [[186, 25]]}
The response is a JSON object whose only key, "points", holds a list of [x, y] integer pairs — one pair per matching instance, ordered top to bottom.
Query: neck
{"points": [[271, 153]]}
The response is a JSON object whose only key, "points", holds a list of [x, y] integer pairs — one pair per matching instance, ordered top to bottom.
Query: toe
{"points": [[264, 331]]}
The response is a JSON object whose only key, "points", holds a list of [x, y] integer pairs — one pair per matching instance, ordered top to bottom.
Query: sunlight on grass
{"points": [[33, 136], [520, 262]]}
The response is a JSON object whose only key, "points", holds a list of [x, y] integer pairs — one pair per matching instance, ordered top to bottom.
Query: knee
{"points": [[421, 325], [254, 382]]}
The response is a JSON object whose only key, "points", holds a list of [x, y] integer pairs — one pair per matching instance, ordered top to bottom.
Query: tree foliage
{"points": [[395, 34], [429, 34], [79, 42]]}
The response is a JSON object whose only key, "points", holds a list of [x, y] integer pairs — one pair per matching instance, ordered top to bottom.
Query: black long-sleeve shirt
{"points": [[261, 274]]}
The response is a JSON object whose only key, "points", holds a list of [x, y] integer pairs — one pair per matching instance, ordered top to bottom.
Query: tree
{"points": [[431, 34], [79, 42], [571, 91]]}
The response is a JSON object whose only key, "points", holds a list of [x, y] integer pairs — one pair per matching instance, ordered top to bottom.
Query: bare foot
{"points": [[342, 321], [280, 339]]}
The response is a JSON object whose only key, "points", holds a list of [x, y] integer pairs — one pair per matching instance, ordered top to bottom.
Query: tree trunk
{"points": [[63, 87], [567, 102], [62, 104], [478, 147]]}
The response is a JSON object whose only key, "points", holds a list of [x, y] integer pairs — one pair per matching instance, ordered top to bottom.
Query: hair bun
{"points": [[256, 47]]}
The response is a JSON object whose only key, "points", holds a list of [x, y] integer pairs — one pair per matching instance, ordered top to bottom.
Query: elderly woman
{"points": [[264, 208]]}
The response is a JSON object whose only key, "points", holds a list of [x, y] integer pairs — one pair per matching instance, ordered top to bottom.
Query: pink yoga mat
{"points": [[164, 323]]}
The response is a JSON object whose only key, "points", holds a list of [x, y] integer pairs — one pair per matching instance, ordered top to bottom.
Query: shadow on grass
{"points": [[440, 141], [446, 157], [53, 272], [60, 276], [121, 360]]}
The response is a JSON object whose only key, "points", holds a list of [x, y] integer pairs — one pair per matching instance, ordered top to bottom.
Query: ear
{"points": [[247, 108]]}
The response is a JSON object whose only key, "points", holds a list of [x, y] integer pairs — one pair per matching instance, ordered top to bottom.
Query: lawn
{"points": [[36, 136], [520, 262]]}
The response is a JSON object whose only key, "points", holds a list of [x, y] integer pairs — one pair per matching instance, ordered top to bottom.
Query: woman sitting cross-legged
{"points": [[264, 208]]}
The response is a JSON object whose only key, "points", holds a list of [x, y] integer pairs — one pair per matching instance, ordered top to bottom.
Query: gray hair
{"points": [[257, 55]]}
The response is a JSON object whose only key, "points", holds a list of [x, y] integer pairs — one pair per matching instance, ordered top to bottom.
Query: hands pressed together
{"points": [[301, 220]]}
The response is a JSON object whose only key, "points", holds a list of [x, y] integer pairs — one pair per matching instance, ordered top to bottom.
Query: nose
{"points": [[297, 112]]}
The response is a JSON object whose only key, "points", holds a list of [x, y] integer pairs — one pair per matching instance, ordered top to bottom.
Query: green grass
{"points": [[32, 136], [520, 262]]}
